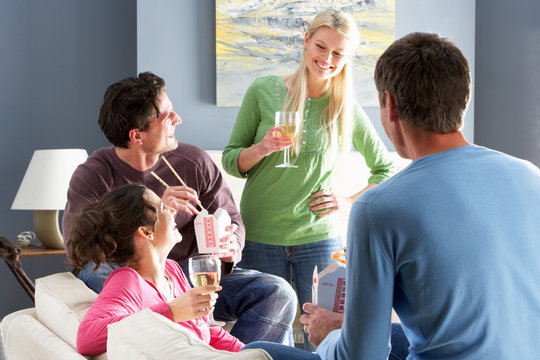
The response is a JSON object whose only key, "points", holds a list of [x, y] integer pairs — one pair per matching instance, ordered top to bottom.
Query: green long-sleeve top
{"points": [[274, 204]]}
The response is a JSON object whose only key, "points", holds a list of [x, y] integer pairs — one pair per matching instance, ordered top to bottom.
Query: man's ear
{"points": [[391, 106], [135, 136]]}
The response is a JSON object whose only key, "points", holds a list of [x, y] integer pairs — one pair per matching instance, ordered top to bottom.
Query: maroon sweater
{"points": [[104, 170]]}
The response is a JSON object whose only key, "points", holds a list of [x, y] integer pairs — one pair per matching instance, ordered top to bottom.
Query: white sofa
{"points": [[49, 330]]}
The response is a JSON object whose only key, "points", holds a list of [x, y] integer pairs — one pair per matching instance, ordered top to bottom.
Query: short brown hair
{"points": [[429, 79], [131, 103], [103, 232]]}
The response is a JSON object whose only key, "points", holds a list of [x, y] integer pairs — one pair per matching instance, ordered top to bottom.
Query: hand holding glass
{"points": [[289, 121], [206, 270]]}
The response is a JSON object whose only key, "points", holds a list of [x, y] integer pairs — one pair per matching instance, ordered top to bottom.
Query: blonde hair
{"points": [[339, 111]]}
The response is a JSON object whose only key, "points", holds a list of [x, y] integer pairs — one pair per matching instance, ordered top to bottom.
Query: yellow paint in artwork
{"points": [[254, 37]]}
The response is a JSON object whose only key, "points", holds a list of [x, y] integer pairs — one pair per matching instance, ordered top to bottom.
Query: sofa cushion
{"points": [[62, 300], [148, 335]]}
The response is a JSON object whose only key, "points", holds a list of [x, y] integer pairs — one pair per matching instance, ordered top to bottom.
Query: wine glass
{"points": [[289, 121], [206, 270]]}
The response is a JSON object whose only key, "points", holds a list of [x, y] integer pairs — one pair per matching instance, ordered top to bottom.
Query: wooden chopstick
{"points": [[174, 171], [177, 176], [159, 179]]}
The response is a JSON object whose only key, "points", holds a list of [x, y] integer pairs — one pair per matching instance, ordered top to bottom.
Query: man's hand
{"points": [[181, 198], [228, 244], [319, 322]]}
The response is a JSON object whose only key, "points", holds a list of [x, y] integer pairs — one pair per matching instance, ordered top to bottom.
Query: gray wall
{"points": [[187, 45], [58, 56], [56, 59], [186, 60], [508, 77]]}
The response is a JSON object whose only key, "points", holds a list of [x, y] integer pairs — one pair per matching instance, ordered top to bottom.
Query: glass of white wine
{"points": [[290, 122], [206, 270]]}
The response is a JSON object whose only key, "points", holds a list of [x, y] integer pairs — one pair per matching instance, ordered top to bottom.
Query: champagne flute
{"points": [[289, 121], [206, 270]]}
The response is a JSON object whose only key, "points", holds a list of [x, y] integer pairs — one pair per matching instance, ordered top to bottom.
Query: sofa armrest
{"points": [[148, 335], [26, 338]]}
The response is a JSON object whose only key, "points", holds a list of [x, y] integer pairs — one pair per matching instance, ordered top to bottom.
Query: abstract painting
{"points": [[256, 38]]}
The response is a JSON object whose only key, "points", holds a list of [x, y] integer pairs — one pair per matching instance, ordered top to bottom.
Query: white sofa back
{"points": [[351, 176], [62, 300], [148, 335]]}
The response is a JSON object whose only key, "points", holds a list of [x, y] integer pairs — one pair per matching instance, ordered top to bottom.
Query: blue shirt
{"points": [[453, 244]]}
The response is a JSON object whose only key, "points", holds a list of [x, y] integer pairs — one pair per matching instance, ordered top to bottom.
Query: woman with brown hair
{"points": [[131, 225]]}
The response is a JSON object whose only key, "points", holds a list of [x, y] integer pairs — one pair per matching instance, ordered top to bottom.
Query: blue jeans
{"points": [[293, 263], [95, 279], [264, 306], [399, 342], [399, 350], [280, 352]]}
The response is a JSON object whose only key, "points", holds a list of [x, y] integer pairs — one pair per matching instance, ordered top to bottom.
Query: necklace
{"points": [[169, 295]]}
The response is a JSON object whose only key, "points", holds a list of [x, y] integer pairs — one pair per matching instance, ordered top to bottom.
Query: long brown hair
{"points": [[104, 231]]}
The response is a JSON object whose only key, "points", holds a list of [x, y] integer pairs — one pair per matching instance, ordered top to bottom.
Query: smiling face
{"points": [[327, 52], [159, 137], [165, 233]]}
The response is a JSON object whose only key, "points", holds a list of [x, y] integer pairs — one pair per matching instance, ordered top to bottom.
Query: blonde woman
{"points": [[289, 214]]}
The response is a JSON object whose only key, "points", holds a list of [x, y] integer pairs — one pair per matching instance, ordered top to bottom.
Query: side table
{"points": [[12, 254]]}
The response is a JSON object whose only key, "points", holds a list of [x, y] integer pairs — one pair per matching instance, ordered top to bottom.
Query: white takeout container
{"points": [[209, 229], [329, 287]]}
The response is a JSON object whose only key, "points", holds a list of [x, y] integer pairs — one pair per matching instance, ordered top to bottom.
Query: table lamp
{"points": [[44, 190]]}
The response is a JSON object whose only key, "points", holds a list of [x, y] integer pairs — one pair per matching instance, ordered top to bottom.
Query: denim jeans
{"points": [[293, 263], [95, 279], [264, 306], [399, 343], [399, 350], [280, 352]]}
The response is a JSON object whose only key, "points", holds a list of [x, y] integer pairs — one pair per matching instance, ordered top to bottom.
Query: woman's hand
{"points": [[271, 142], [181, 198], [328, 201], [194, 303]]}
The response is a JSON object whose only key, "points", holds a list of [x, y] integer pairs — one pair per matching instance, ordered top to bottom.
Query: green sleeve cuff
{"points": [[229, 160]]}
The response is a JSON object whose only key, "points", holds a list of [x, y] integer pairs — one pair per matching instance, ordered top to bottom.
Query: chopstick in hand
{"points": [[177, 176]]}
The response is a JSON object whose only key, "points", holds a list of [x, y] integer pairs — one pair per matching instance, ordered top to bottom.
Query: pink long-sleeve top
{"points": [[125, 292]]}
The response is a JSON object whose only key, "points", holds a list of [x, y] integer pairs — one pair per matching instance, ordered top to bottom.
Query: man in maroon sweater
{"points": [[137, 117]]}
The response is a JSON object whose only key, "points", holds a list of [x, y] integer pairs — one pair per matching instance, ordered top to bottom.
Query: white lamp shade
{"points": [[46, 181]]}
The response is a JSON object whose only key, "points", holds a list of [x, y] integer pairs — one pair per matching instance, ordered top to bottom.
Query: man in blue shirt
{"points": [[452, 241]]}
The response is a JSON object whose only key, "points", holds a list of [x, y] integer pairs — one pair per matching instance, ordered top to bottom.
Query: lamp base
{"points": [[47, 229]]}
